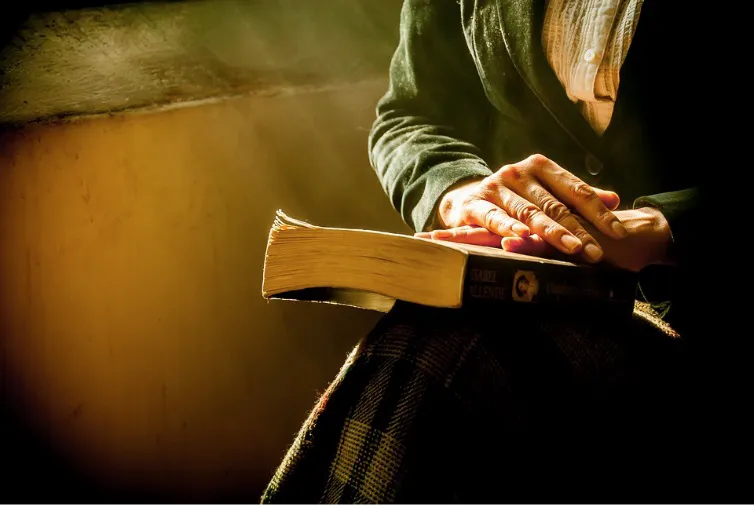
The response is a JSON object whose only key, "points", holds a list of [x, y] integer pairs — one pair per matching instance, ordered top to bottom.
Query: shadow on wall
{"points": [[139, 361]]}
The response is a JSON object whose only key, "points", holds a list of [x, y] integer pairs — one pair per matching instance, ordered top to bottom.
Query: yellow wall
{"points": [[134, 336]]}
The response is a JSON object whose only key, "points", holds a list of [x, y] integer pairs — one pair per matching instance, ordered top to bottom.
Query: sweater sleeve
{"points": [[427, 134], [666, 288]]}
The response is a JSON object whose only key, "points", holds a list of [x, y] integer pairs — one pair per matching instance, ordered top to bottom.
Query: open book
{"points": [[371, 269]]}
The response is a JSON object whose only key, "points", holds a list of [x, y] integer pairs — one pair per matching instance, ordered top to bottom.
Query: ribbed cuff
{"points": [[439, 180], [676, 206]]}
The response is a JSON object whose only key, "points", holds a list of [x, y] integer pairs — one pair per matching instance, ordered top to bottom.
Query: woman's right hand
{"points": [[534, 196]]}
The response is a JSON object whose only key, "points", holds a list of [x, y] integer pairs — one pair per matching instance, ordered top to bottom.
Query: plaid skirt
{"points": [[452, 406]]}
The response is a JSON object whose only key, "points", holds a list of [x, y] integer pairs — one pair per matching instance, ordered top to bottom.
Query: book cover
{"points": [[489, 281]]}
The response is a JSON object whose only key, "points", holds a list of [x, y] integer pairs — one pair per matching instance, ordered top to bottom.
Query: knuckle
{"points": [[537, 160], [509, 172], [488, 182], [489, 186], [583, 191], [487, 192], [538, 195], [469, 199], [472, 199], [556, 210], [526, 212], [466, 214], [606, 216], [491, 218], [507, 224], [551, 229], [583, 235]]}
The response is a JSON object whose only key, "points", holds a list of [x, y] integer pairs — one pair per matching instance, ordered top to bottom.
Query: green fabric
{"points": [[676, 207]]}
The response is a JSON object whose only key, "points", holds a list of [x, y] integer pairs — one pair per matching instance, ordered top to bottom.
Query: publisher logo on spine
{"points": [[525, 286]]}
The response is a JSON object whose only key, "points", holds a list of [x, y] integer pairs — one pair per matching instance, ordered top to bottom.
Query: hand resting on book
{"points": [[533, 197], [648, 241]]}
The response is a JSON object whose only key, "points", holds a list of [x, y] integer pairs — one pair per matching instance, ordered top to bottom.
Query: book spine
{"points": [[490, 282]]}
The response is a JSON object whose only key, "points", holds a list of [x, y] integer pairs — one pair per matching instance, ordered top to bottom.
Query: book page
{"points": [[467, 248], [496, 252]]}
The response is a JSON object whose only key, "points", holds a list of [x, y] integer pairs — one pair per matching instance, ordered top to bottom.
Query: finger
{"points": [[530, 188], [576, 194], [581, 196], [609, 198], [491, 217], [538, 221], [464, 234], [468, 235], [533, 245], [591, 251], [591, 256]]}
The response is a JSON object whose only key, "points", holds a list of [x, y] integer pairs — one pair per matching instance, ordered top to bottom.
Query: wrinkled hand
{"points": [[533, 197], [648, 240]]}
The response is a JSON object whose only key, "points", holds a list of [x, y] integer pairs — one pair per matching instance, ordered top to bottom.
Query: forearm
{"points": [[426, 137], [416, 169]]}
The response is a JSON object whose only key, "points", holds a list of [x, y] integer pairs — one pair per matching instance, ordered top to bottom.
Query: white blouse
{"points": [[586, 42]]}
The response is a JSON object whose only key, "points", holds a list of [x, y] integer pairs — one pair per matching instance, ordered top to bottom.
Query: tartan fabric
{"points": [[451, 406]]}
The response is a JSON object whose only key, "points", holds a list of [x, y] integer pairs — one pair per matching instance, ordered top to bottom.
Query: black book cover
{"points": [[491, 281]]}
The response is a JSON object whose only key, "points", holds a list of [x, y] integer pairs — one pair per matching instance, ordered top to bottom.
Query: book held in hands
{"points": [[372, 269]]}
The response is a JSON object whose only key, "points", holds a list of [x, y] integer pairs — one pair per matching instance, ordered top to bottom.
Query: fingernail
{"points": [[520, 229], [619, 229], [442, 233], [571, 242], [511, 243], [592, 252]]}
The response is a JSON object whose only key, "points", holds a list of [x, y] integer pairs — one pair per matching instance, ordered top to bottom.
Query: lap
{"points": [[444, 405]]}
